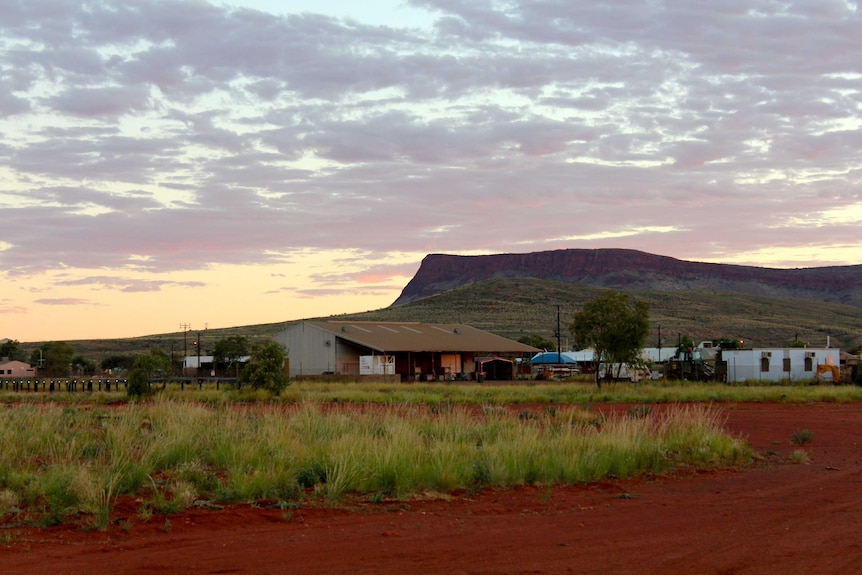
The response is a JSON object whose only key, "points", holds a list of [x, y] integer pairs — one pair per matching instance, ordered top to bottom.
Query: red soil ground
{"points": [[774, 517]]}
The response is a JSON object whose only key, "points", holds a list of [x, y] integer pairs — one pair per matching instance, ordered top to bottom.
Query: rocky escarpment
{"points": [[632, 269]]}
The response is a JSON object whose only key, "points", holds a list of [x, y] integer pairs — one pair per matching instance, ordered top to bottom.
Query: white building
{"points": [[776, 364]]}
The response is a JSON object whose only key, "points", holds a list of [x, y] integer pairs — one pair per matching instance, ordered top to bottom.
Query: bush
{"points": [[265, 369], [139, 384], [802, 436]]}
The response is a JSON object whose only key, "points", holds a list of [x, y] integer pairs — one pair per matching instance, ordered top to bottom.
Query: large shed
{"points": [[409, 351]]}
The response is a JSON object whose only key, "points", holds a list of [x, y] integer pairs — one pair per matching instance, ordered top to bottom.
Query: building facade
{"points": [[405, 351], [777, 364], [16, 369]]}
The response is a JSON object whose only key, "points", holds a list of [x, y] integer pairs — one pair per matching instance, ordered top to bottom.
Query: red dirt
{"points": [[775, 517]]}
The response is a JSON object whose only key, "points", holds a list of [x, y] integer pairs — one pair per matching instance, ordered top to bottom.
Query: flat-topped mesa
{"points": [[633, 269]]}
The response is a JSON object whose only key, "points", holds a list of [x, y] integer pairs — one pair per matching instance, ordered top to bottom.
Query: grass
{"points": [[442, 396], [800, 457], [75, 462]]}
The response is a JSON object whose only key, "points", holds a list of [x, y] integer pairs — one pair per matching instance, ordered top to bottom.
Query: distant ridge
{"points": [[635, 270]]}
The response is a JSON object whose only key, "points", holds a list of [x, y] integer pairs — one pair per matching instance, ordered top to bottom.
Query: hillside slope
{"points": [[632, 269], [523, 306], [526, 306]]}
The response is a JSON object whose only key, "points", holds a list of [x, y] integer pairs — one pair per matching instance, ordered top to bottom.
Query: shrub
{"points": [[265, 369], [139, 384], [801, 437], [800, 456]]}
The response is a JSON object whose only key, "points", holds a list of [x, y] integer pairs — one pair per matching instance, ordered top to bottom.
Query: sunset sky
{"points": [[168, 162]]}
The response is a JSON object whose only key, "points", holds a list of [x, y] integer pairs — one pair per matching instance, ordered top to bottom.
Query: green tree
{"points": [[615, 326], [539, 342], [727, 343], [686, 344], [12, 349], [229, 351], [54, 358], [114, 362], [154, 363], [81, 365], [265, 369]]}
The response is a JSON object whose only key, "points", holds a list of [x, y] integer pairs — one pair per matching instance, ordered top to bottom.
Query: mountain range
{"points": [[636, 270], [517, 295]]}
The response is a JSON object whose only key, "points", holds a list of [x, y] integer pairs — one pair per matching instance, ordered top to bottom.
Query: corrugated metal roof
{"points": [[421, 337]]}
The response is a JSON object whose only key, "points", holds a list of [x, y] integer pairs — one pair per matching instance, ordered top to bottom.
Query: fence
{"points": [[89, 385]]}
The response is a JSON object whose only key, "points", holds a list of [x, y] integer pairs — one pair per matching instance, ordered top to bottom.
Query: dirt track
{"points": [[777, 517]]}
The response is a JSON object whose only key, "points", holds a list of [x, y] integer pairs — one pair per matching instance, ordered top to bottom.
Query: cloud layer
{"points": [[159, 136]]}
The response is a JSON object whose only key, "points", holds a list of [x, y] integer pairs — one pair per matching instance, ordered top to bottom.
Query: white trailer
{"points": [[777, 364]]}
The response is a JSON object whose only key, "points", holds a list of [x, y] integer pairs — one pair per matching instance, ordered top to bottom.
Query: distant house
{"points": [[404, 351], [776, 364], [204, 365], [15, 369]]}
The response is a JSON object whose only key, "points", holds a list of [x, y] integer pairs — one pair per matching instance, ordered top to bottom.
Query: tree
{"points": [[615, 326], [727, 343], [686, 344], [12, 349], [228, 352], [54, 358], [113, 362], [154, 363], [82, 365], [265, 369]]}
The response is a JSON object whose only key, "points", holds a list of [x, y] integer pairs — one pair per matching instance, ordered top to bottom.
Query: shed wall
{"points": [[311, 351]]}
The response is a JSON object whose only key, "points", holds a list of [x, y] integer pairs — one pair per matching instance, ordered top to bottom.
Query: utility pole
{"points": [[185, 327], [198, 344], [559, 349]]}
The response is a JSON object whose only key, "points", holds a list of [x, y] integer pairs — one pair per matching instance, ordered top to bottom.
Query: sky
{"points": [[172, 163]]}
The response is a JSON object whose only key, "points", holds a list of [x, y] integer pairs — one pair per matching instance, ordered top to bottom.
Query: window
{"points": [[764, 363], [787, 364], [808, 364]]}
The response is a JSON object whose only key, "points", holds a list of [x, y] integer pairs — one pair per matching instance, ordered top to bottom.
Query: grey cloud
{"points": [[99, 102], [11, 104], [186, 134], [128, 285], [64, 301]]}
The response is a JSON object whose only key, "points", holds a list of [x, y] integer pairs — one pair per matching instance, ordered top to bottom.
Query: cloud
{"points": [[167, 135], [129, 285], [68, 301], [12, 309]]}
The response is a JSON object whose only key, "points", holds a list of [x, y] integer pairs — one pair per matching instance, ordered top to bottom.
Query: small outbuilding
{"points": [[398, 351], [776, 364], [16, 369]]}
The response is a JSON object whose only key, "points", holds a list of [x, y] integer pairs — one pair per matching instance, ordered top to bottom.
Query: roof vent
{"points": [[344, 328], [456, 330]]}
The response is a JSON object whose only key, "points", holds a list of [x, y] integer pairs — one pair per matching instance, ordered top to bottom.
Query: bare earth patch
{"points": [[774, 517]]}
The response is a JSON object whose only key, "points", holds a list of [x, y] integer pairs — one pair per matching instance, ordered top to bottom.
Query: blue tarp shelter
{"points": [[552, 357]]}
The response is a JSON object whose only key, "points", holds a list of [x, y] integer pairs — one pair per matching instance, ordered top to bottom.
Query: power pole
{"points": [[185, 327], [198, 344], [559, 349]]}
